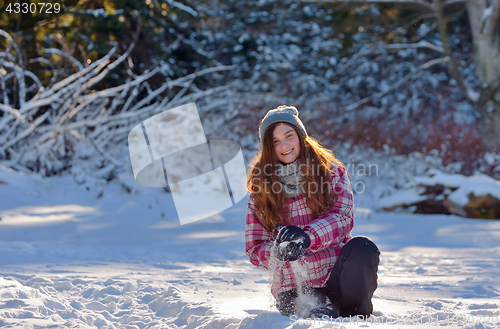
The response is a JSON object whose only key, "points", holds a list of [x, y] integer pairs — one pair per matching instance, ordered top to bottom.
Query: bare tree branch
{"points": [[452, 2], [422, 3], [418, 19], [494, 20], [426, 32], [12, 44], [48, 63], [452, 66], [398, 84]]}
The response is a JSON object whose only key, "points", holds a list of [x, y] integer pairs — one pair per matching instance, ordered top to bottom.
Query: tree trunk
{"points": [[486, 38]]}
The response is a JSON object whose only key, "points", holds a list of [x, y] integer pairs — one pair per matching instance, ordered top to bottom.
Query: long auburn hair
{"points": [[315, 166]]}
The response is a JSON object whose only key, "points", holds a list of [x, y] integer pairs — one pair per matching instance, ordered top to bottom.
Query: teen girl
{"points": [[301, 211]]}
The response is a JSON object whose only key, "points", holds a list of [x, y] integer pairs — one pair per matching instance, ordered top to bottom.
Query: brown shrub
{"points": [[454, 142]]}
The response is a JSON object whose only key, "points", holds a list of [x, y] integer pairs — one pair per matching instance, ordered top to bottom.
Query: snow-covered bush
{"points": [[72, 124]]}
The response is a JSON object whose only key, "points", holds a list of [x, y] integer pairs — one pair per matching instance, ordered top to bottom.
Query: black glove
{"points": [[291, 243]]}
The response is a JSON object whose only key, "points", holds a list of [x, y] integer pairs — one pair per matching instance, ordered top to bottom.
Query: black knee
{"points": [[362, 242], [362, 250]]}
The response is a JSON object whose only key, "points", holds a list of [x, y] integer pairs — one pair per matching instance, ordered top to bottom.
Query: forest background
{"points": [[362, 74]]}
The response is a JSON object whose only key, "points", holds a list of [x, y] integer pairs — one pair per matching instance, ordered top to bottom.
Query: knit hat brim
{"points": [[283, 113]]}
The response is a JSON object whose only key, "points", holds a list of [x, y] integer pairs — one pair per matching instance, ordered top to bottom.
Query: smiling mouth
{"points": [[286, 153]]}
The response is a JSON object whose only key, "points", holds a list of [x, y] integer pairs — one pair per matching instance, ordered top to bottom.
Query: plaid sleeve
{"points": [[331, 229], [258, 240]]}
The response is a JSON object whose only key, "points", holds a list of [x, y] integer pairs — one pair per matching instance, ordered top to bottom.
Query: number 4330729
{"points": [[33, 8]]}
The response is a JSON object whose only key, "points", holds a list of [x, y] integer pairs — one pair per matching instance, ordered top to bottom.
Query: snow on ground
{"points": [[69, 260]]}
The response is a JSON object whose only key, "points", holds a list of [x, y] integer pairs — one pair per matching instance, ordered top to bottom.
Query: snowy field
{"points": [[70, 260]]}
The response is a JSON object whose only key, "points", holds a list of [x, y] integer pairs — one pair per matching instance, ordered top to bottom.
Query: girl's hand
{"points": [[291, 243]]}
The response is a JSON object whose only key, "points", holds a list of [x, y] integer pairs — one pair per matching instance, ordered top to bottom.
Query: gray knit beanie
{"points": [[283, 113]]}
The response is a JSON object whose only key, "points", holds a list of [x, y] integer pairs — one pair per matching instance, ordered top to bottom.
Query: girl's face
{"points": [[286, 143]]}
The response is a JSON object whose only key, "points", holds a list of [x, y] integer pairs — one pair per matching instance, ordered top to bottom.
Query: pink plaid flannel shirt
{"points": [[328, 235]]}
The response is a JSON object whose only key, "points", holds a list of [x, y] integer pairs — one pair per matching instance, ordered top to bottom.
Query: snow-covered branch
{"points": [[183, 7], [11, 43], [421, 44], [364, 51], [65, 55], [422, 67], [7, 109], [49, 131], [26, 132], [99, 149]]}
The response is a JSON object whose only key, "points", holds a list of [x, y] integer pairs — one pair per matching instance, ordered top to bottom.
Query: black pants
{"points": [[351, 285]]}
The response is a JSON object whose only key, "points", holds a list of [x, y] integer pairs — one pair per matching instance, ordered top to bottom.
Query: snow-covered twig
{"points": [[183, 7], [97, 12], [418, 19], [426, 32], [12, 44], [421, 44], [90, 45], [199, 50], [365, 50], [65, 55], [8, 56], [122, 57], [48, 63], [19, 73], [81, 73], [34, 78], [114, 90], [7, 109], [26, 132], [115, 162]]}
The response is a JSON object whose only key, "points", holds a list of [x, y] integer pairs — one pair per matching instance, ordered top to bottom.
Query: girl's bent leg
{"points": [[354, 278]]}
